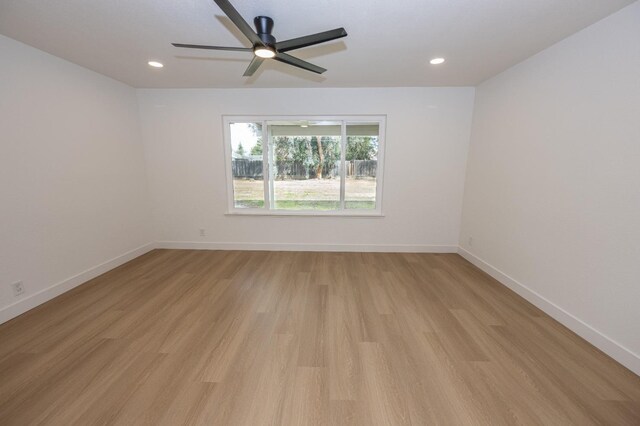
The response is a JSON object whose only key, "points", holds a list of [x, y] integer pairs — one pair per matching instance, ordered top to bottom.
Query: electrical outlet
{"points": [[202, 232], [470, 241], [18, 289]]}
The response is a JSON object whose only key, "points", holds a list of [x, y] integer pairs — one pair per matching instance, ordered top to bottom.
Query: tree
{"points": [[256, 129], [257, 148], [361, 148], [240, 151], [282, 153], [330, 153], [310, 155], [320, 164]]}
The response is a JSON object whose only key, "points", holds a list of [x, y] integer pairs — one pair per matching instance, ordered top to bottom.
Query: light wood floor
{"points": [[252, 338]]}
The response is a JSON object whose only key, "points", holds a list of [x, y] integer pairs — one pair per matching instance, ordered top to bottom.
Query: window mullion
{"points": [[343, 171], [273, 172], [266, 175]]}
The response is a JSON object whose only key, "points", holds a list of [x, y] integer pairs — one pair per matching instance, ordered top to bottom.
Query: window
{"points": [[305, 165]]}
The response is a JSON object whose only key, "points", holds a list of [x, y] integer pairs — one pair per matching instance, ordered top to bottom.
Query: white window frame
{"points": [[266, 210]]}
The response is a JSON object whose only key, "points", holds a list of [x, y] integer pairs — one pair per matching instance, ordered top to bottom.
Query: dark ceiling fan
{"points": [[265, 45]]}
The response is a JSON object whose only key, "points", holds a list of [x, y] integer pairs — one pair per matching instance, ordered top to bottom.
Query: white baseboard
{"points": [[380, 248], [31, 301], [609, 346]]}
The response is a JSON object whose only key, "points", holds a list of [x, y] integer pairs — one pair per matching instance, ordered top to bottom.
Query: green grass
{"points": [[312, 194], [249, 204], [321, 205], [362, 205]]}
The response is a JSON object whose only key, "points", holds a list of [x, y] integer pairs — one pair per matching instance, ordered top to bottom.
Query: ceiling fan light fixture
{"points": [[264, 44], [264, 52], [436, 61], [155, 64]]}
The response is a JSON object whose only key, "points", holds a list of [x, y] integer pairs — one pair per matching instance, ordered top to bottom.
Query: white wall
{"points": [[426, 147], [73, 191], [552, 196]]}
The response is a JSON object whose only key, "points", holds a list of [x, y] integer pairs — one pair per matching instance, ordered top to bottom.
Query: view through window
{"points": [[304, 165]]}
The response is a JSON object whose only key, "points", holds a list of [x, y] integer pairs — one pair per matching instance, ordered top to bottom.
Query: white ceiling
{"points": [[389, 43]]}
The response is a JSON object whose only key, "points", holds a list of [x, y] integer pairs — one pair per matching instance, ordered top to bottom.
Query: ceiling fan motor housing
{"points": [[264, 26]]}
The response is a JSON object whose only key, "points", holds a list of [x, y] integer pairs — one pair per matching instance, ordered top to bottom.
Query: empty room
{"points": [[232, 212]]}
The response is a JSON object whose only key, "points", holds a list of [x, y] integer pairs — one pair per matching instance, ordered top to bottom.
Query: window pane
{"points": [[305, 159], [246, 165], [361, 165]]}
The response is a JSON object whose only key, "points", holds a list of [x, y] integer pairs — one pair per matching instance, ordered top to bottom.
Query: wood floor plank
{"points": [[291, 338], [308, 399]]}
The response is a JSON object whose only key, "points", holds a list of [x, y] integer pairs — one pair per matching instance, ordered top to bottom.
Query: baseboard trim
{"points": [[379, 248], [31, 301], [607, 345]]}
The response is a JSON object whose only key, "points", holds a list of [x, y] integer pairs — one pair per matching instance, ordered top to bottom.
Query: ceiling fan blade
{"points": [[239, 21], [310, 40], [200, 46], [288, 59], [253, 66]]}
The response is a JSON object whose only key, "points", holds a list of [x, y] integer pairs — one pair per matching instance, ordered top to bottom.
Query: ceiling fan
{"points": [[265, 45]]}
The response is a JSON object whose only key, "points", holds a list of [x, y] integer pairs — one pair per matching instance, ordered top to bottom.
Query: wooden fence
{"points": [[248, 168], [362, 168]]}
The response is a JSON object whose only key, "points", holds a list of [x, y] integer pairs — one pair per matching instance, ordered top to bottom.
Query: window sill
{"points": [[297, 213]]}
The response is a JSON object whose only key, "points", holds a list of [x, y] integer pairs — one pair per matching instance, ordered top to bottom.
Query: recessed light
{"points": [[263, 52], [436, 61], [155, 64]]}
